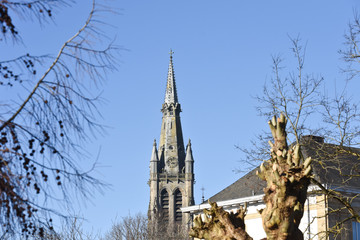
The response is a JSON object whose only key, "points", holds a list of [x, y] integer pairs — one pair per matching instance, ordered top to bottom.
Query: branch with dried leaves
{"points": [[38, 9], [41, 134]]}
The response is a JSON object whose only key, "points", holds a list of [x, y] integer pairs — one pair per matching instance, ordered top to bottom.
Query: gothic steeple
{"points": [[171, 147], [171, 170]]}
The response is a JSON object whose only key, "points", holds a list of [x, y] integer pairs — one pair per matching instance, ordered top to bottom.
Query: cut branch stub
{"points": [[288, 177], [217, 224]]}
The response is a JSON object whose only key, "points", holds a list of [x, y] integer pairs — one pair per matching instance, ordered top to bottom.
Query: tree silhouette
{"points": [[43, 126]]}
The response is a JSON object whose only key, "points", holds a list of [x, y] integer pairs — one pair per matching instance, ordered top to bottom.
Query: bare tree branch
{"points": [[42, 133]]}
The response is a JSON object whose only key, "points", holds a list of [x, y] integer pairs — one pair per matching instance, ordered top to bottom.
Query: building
{"points": [[171, 165], [335, 167]]}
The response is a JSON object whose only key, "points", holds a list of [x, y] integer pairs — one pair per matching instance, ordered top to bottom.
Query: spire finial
{"points": [[171, 53], [154, 143], [189, 144], [202, 197]]}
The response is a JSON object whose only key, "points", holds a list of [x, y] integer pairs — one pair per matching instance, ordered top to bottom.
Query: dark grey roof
{"points": [[328, 159], [334, 165], [246, 186]]}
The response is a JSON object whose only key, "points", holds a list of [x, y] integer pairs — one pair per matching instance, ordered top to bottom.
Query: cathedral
{"points": [[171, 165]]}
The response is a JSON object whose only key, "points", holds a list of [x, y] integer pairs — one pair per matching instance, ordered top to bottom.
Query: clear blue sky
{"points": [[222, 58]]}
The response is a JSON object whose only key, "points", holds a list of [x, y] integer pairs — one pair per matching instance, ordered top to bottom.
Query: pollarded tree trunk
{"points": [[288, 176], [219, 224]]}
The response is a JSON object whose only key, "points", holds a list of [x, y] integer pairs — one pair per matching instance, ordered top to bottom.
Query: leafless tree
{"points": [[29, 10], [351, 51], [295, 94], [298, 97], [342, 118], [44, 124], [341, 160], [287, 175], [137, 227], [129, 228], [70, 230]]}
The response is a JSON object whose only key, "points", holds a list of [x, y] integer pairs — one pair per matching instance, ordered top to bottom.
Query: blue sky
{"points": [[222, 59]]}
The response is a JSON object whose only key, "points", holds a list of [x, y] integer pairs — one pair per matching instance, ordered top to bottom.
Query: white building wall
{"points": [[253, 219], [310, 219], [253, 222], [313, 226], [254, 228]]}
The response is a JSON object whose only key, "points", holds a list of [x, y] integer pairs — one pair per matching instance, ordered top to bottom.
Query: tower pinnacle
{"points": [[154, 155]]}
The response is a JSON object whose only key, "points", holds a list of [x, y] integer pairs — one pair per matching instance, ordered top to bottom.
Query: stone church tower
{"points": [[171, 165]]}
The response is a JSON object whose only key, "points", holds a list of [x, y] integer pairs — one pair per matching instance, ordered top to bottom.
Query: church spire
{"points": [[171, 94], [171, 147], [171, 176]]}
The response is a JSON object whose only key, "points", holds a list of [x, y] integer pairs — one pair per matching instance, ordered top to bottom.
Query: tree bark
{"points": [[288, 176], [220, 225]]}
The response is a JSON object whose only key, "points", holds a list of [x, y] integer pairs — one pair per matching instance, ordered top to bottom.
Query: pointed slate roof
{"points": [[171, 93], [154, 155], [189, 156], [334, 165], [248, 185]]}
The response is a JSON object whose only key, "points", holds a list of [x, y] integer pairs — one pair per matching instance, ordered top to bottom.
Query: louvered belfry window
{"points": [[165, 205], [178, 205]]}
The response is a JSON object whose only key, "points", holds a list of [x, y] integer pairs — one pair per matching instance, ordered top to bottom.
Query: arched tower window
{"points": [[165, 204], [178, 205]]}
